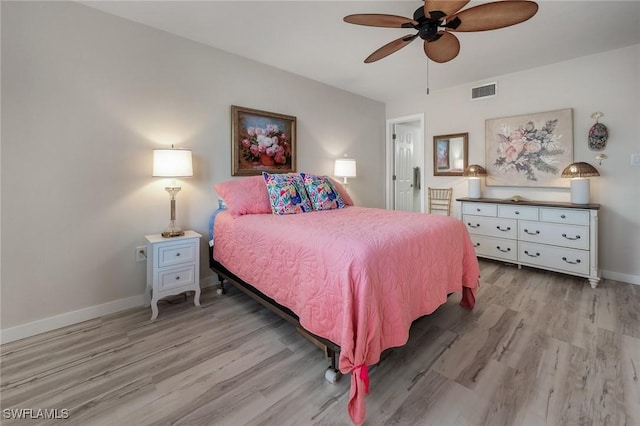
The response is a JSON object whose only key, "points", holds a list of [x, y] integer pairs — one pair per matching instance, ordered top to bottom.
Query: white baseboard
{"points": [[617, 276], [74, 317], [69, 318]]}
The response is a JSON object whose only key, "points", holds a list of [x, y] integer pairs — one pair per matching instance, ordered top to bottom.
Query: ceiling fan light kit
{"points": [[438, 19]]}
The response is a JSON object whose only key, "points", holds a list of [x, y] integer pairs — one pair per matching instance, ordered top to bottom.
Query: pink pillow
{"points": [[343, 192], [244, 196]]}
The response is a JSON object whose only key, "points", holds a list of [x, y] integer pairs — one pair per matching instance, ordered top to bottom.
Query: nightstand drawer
{"points": [[480, 209], [573, 217], [176, 254], [176, 277]]}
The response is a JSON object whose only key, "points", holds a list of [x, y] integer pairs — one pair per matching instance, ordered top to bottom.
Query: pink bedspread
{"points": [[356, 276]]}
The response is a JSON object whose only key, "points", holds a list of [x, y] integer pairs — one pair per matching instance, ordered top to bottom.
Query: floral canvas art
{"points": [[262, 141], [529, 150], [442, 154]]}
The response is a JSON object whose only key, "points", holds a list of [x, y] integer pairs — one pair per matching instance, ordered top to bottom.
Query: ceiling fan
{"points": [[437, 19]]}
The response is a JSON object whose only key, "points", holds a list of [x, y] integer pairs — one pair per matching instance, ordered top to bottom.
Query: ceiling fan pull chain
{"points": [[427, 76]]}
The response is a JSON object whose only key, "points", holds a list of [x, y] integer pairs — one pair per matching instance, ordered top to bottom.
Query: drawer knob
{"points": [[478, 210], [517, 212], [563, 216], [477, 225], [508, 228], [531, 233], [569, 238], [477, 245], [504, 251], [178, 254], [531, 255], [573, 263], [177, 277]]}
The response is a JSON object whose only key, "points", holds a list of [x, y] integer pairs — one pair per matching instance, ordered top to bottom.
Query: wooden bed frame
{"points": [[331, 350]]}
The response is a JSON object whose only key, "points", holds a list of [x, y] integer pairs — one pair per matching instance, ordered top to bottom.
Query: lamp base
{"points": [[474, 188], [580, 191], [172, 231]]}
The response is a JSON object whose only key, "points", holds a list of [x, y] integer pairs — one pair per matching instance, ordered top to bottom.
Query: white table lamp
{"points": [[172, 163], [345, 168], [474, 172], [579, 173]]}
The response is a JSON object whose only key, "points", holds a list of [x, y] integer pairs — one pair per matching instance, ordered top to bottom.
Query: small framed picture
{"points": [[450, 154]]}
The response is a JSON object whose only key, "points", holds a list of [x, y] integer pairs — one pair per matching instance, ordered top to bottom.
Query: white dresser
{"points": [[561, 237]]}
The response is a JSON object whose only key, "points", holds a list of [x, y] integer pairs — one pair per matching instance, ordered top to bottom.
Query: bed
{"points": [[353, 278]]}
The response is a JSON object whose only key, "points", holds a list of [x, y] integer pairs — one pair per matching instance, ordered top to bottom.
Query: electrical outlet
{"points": [[635, 159], [141, 253]]}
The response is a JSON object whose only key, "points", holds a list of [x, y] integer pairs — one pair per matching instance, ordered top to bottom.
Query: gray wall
{"points": [[607, 82], [85, 98]]}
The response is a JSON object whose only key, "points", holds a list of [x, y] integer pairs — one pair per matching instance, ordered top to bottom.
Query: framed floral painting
{"points": [[262, 141], [529, 150]]}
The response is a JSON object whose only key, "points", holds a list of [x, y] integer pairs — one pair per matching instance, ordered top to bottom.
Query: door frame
{"points": [[390, 153]]}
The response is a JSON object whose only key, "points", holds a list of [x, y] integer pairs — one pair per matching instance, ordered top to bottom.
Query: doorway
{"points": [[405, 153]]}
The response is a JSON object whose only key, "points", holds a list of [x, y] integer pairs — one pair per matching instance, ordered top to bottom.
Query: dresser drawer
{"points": [[480, 209], [518, 212], [573, 217], [491, 227], [572, 236], [495, 247], [170, 255], [550, 257], [176, 277]]}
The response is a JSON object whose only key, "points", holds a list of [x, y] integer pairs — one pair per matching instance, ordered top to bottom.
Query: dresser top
{"points": [[532, 203]]}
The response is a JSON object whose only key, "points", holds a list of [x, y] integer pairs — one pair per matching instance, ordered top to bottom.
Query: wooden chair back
{"points": [[440, 200]]}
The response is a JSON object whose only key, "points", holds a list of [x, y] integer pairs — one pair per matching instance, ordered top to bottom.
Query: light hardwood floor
{"points": [[538, 349]]}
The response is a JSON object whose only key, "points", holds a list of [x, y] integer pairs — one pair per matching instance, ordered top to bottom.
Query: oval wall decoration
{"points": [[598, 134]]}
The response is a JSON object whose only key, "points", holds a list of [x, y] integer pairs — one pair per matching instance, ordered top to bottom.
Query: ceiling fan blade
{"points": [[448, 7], [491, 16], [380, 20], [389, 48], [444, 48]]}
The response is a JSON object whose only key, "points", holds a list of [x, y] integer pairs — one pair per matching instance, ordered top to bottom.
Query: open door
{"points": [[405, 163]]}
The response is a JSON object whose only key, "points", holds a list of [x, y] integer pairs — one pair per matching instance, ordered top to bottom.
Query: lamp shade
{"points": [[172, 163], [345, 167], [474, 170], [579, 170]]}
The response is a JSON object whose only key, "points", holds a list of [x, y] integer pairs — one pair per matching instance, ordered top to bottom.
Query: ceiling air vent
{"points": [[485, 91]]}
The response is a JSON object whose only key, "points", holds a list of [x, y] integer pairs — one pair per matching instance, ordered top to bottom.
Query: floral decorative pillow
{"points": [[286, 193], [322, 193]]}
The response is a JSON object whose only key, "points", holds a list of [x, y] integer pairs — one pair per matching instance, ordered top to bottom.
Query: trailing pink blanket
{"points": [[356, 276]]}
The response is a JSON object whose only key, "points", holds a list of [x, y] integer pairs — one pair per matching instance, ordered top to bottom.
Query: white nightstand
{"points": [[173, 267]]}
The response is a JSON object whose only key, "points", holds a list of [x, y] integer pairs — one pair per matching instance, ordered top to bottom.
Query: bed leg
{"points": [[221, 290], [332, 374]]}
